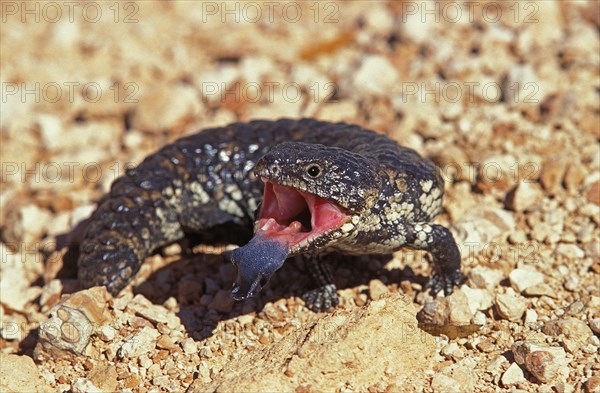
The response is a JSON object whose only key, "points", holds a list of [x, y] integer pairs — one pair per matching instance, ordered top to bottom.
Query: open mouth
{"points": [[296, 218], [289, 222]]}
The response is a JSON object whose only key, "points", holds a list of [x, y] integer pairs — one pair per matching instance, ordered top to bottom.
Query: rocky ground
{"points": [[502, 95]]}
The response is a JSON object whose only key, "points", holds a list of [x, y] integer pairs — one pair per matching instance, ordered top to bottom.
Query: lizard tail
{"points": [[122, 233]]}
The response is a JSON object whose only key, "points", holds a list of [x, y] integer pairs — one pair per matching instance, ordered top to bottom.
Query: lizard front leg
{"points": [[440, 243], [324, 296]]}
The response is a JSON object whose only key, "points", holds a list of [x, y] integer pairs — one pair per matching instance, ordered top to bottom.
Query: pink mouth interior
{"points": [[291, 216]]}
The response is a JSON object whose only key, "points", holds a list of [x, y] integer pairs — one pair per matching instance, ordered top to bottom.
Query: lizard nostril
{"points": [[274, 169]]}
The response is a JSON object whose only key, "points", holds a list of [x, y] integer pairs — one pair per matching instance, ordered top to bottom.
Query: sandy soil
{"points": [[502, 95]]}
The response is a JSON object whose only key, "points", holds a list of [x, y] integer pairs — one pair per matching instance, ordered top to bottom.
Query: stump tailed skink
{"points": [[279, 189]]}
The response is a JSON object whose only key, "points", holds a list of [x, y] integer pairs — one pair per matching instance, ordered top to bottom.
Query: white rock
{"points": [[379, 19], [414, 27], [551, 30], [65, 33], [499, 34], [578, 43], [252, 69], [375, 76], [215, 82], [319, 85], [522, 86], [338, 111], [452, 111], [51, 129], [98, 134], [133, 139], [497, 171], [524, 196], [80, 213], [502, 219], [34, 221], [59, 224], [480, 226], [517, 237], [592, 248], [570, 251], [10, 258], [484, 277], [525, 277], [572, 282], [16, 290], [51, 292], [478, 299], [510, 307], [144, 308], [453, 310], [531, 317], [479, 318], [12, 325], [595, 325], [68, 326], [573, 328], [106, 333], [139, 343], [189, 346], [522, 348], [450, 349], [206, 352], [145, 361], [496, 365], [544, 366], [20, 374], [465, 375], [512, 376], [162, 381], [442, 383], [84, 385]]}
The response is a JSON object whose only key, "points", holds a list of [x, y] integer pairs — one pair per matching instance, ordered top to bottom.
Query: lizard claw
{"points": [[445, 281], [322, 298]]}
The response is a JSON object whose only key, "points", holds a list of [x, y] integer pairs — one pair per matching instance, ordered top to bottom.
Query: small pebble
{"points": [[510, 307]]}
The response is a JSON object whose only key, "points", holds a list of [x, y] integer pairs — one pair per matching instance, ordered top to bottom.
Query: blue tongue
{"points": [[256, 262]]}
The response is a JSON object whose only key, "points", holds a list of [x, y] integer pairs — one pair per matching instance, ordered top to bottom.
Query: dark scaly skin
{"points": [[210, 179]]}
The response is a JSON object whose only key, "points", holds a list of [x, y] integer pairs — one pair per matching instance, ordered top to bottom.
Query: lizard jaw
{"points": [[297, 218], [289, 222]]}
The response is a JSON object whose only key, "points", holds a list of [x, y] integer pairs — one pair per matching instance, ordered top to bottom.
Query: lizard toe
{"points": [[444, 282], [322, 298]]}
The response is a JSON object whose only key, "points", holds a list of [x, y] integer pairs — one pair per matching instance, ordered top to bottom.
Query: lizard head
{"points": [[313, 197]]}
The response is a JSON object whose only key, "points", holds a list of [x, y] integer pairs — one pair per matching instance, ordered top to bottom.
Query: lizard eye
{"points": [[313, 170]]}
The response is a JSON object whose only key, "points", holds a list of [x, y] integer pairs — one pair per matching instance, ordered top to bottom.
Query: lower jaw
{"points": [[304, 242]]}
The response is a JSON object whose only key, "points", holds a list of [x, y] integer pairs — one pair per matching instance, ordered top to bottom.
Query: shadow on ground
{"points": [[201, 282]]}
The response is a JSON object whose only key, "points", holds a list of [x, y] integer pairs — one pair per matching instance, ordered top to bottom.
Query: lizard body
{"points": [[325, 187]]}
